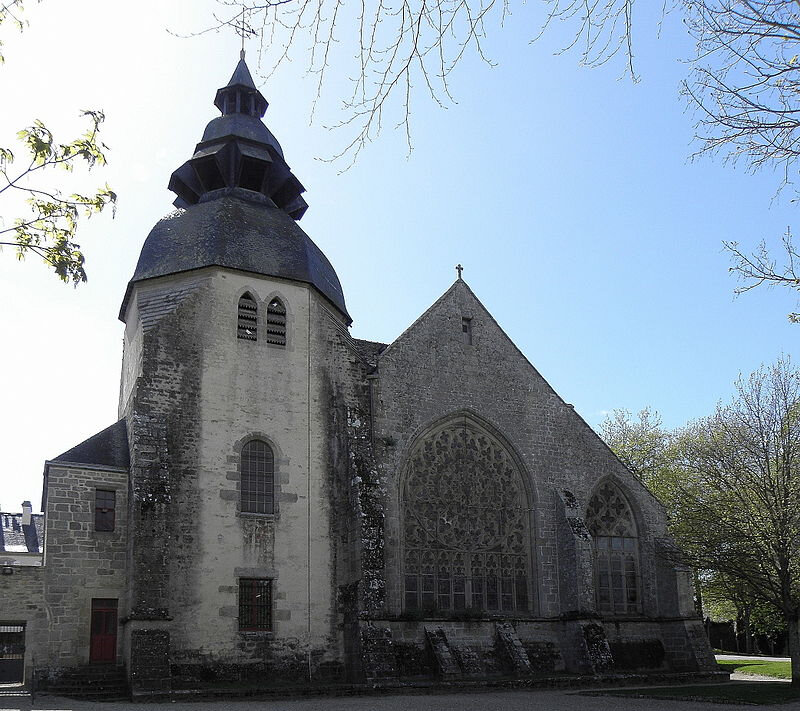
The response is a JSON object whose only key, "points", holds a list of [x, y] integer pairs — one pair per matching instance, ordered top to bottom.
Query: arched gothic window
{"points": [[276, 322], [247, 325], [257, 478], [465, 524], [616, 551]]}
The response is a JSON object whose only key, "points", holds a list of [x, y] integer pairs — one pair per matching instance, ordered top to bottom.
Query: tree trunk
{"points": [[698, 593], [793, 624], [737, 632], [748, 632]]}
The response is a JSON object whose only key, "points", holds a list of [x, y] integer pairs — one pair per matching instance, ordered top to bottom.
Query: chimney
{"points": [[27, 509]]}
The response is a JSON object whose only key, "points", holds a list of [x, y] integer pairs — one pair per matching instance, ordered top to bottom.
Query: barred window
{"points": [[276, 322], [247, 324], [258, 478], [105, 503], [616, 551], [255, 604]]}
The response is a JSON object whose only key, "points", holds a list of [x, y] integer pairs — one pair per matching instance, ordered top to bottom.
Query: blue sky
{"points": [[566, 192]]}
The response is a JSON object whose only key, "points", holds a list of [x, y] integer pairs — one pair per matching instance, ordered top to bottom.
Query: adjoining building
{"points": [[281, 501], [21, 537]]}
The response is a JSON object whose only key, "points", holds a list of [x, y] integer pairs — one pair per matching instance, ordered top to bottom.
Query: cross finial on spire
{"points": [[242, 27], [459, 269]]}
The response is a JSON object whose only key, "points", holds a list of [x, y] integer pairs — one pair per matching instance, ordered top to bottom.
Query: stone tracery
{"points": [[609, 519], [465, 523]]}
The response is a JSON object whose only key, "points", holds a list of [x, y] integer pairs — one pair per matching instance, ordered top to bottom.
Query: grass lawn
{"points": [[777, 670], [747, 692]]}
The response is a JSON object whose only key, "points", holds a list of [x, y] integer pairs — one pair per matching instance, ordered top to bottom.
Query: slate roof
{"points": [[241, 75], [248, 127], [238, 201], [244, 234], [370, 349], [108, 448], [16, 538]]}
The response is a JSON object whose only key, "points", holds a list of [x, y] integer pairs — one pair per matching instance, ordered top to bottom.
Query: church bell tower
{"points": [[228, 316]]}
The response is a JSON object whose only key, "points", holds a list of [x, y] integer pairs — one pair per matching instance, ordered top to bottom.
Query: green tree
{"points": [[48, 227], [649, 450], [651, 453], [738, 512], [728, 599]]}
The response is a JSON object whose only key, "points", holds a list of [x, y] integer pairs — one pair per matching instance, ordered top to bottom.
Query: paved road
{"points": [[739, 657], [537, 700]]}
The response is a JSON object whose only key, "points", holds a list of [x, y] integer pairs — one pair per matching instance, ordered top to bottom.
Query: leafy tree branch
{"points": [[49, 230]]}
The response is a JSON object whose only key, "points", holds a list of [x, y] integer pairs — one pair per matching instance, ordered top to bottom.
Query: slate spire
{"points": [[241, 94], [238, 153]]}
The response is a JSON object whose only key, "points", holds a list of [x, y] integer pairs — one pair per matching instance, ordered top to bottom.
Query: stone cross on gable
{"points": [[459, 269]]}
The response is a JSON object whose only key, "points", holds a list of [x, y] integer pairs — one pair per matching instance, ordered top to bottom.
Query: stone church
{"points": [[281, 501]]}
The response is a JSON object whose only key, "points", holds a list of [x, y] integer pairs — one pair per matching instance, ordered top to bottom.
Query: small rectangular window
{"points": [[466, 329], [105, 503], [255, 604]]}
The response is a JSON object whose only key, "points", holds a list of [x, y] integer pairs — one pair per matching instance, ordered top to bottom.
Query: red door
{"points": [[103, 647]]}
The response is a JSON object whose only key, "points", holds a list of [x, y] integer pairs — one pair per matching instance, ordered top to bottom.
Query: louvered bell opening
{"points": [[209, 173], [251, 173], [276, 323], [247, 327]]}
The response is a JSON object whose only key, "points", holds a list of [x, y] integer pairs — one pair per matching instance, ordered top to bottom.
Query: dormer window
{"points": [[276, 322], [247, 325]]}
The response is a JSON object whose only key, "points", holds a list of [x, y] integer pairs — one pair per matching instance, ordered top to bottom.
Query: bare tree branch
{"points": [[761, 267]]}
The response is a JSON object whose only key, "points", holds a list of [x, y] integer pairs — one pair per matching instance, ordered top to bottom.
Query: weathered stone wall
{"points": [[430, 373], [342, 386], [159, 394], [201, 394], [80, 564], [22, 601], [474, 645], [149, 668]]}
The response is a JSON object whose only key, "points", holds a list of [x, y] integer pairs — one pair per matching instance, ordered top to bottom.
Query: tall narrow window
{"points": [[276, 323], [247, 325], [466, 329], [258, 478], [105, 503], [616, 551], [255, 604]]}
